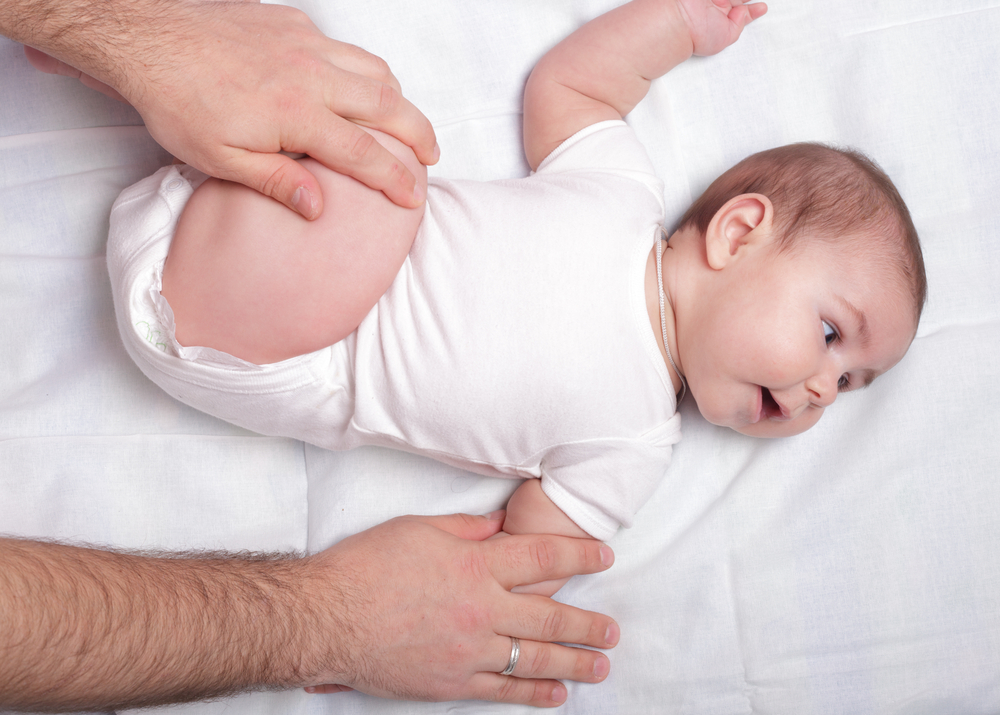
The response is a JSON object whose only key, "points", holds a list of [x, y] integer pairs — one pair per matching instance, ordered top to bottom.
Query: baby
{"points": [[536, 328]]}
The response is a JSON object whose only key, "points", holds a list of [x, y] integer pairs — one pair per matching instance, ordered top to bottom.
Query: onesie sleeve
{"points": [[609, 147], [600, 484]]}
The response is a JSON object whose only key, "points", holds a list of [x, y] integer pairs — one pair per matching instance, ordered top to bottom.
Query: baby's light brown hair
{"points": [[826, 193]]}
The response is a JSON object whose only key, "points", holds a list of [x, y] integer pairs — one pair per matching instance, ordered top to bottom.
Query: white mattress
{"points": [[853, 569]]}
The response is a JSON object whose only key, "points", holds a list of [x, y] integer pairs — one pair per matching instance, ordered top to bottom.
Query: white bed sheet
{"points": [[852, 569]]}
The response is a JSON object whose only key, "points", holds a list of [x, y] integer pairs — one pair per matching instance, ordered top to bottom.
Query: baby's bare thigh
{"points": [[247, 276]]}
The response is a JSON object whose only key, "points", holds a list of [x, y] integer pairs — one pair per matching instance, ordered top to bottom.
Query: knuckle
{"points": [[295, 17], [353, 53], [365, 63], [310, 66], [379, 68], [386, 99], [361, 147], [230, 167], [274, 181], [543, 553], [553, 625], [596, 632], [538, 662], [507, 691]]}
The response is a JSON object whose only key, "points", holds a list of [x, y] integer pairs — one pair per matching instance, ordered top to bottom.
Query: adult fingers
{"points": [[42, 61], [361, 62], [50, 65], [87, 81], [362, 88], [380, 105], [348, 149], [277, 176], [466, 526], [532, 558], [540, 619], [550, 661], [534, 679], [534, 682], [327, 689], [521, 691]]}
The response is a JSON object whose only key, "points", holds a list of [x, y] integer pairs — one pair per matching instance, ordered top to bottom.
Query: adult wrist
{"points": [[317, 651]]}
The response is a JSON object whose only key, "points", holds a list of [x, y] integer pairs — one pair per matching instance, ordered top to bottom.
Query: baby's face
{"points": [[775, 341]]}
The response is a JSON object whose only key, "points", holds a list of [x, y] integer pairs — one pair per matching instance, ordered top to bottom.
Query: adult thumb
{"points": [[281, 178], [467, 526]]}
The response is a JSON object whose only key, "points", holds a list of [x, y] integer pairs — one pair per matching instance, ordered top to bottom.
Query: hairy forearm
{"points": [[107, 39], [90, 629]]}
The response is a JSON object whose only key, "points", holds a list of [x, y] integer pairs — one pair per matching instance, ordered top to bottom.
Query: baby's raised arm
{"points": [[604, 69]]}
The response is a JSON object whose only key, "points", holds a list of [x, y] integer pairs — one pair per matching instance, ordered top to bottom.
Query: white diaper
{"points": [[287, 398]]}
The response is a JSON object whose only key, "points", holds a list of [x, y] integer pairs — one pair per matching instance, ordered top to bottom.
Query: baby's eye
{"points": [[829, 333], [844, 383]]}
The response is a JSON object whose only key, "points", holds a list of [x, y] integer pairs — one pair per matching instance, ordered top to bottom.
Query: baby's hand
{"points": [[716, 24]]}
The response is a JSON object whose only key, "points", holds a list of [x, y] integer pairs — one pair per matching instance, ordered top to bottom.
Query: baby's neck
{"points": [[652, 290]]}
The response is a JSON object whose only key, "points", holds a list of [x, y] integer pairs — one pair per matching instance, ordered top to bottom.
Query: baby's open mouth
{"points": [[770, 406]]}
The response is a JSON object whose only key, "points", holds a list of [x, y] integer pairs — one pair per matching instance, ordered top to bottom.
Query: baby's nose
{"points": [[823, 388]]}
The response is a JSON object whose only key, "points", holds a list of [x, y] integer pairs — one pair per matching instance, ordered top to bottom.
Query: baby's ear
{"points": [[742, 222]]}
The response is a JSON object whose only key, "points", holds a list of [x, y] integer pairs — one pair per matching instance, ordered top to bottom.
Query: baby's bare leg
{"points": [[250, 278]]}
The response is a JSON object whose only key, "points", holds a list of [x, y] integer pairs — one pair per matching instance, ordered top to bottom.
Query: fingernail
{"points": [[437, 154], [419, 193], [303, 202], [495, 515], [607, 555], [613, 633], [602, 666], [311, 689], [559, 694]]}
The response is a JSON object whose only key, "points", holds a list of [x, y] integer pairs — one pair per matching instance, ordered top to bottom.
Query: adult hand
{"points": [[224, 86], [407, 609], [436, 625]]}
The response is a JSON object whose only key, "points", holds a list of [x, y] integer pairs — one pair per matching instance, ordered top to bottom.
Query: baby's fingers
{"points": [[742, 15]]}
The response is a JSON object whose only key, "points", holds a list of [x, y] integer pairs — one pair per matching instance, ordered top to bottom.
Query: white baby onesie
{"points": [[514, 341]]}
